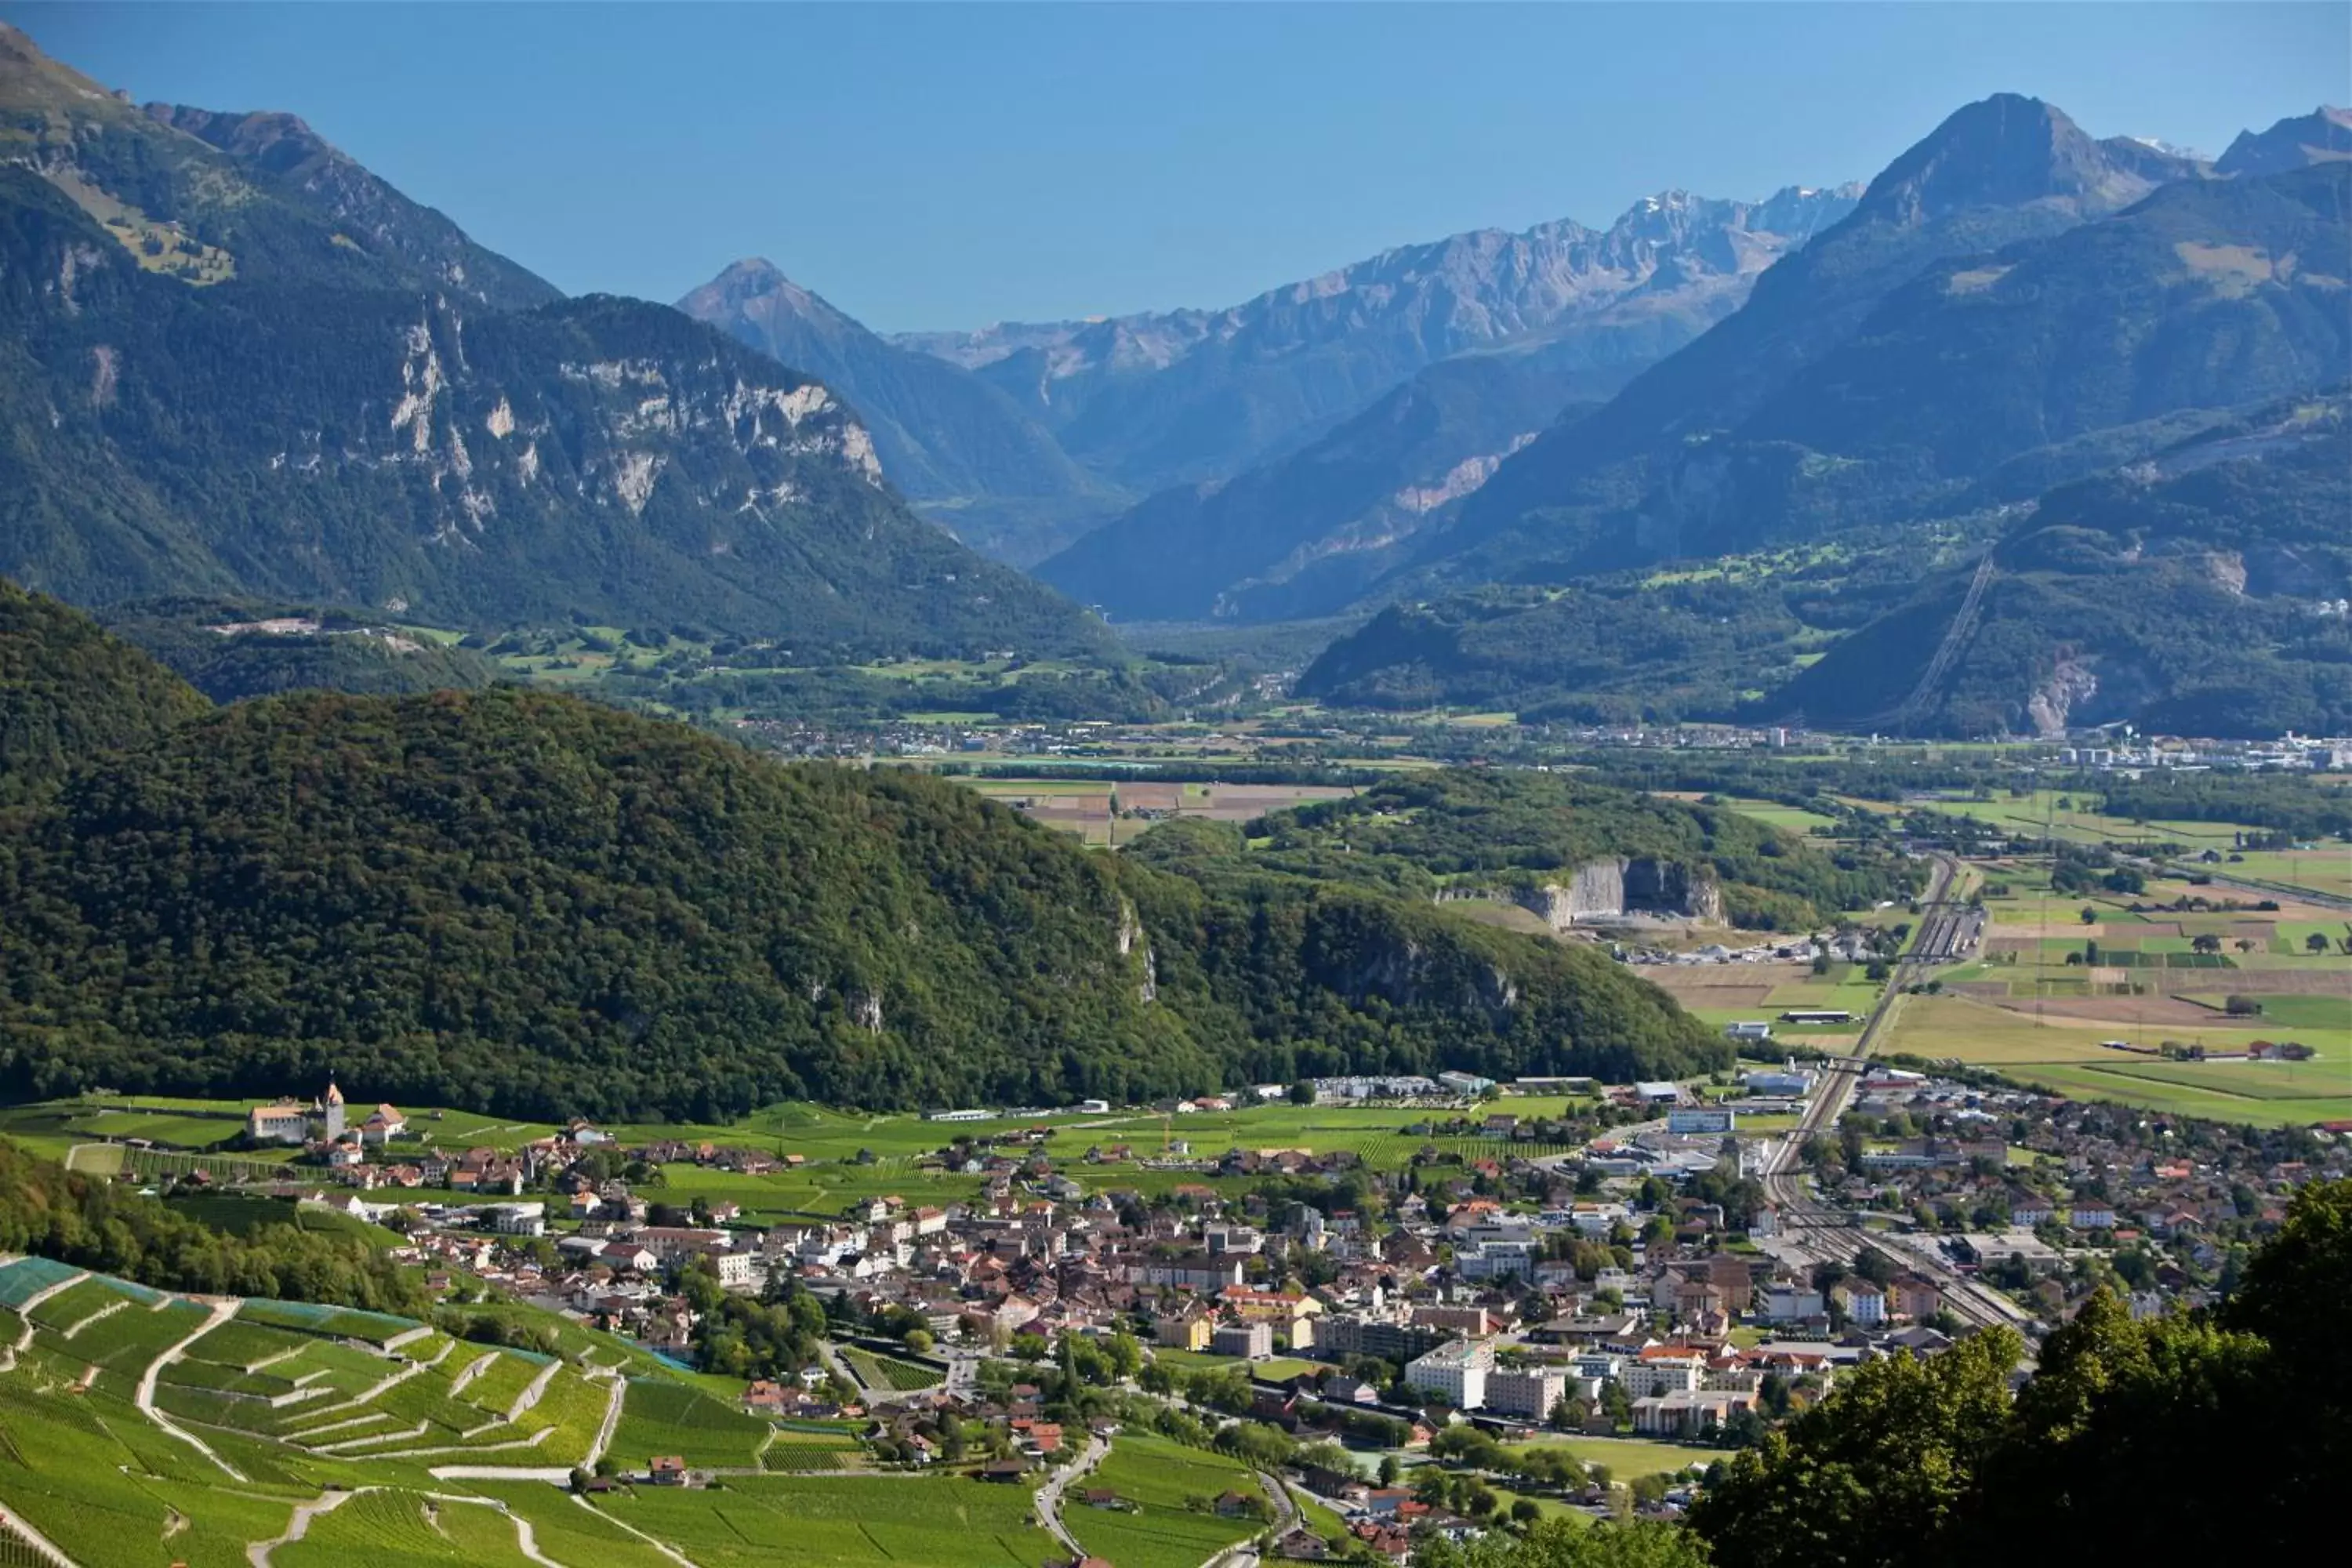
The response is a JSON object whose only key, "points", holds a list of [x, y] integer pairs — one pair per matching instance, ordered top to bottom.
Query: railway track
{"points": [[1816, 1233]]}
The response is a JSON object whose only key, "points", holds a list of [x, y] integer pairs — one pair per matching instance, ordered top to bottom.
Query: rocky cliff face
{"points": [[950, 441], [421, 455], [1602, 890]]}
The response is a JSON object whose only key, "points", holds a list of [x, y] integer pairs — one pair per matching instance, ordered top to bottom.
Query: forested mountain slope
{"points": [[1995, 174], [252, 369], [599, 456], [2200, 592], [70, 691], [532, 904]]}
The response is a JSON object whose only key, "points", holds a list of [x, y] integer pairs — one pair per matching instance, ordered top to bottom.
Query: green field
{"points": [[2065, 1055], [891, 1372], [662, 1417], [1627, 1458], [1172, 1488], [115, 1490], [840, 1522]]}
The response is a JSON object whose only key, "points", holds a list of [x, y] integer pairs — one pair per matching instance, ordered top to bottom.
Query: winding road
{"points": [[1049, 1496]]}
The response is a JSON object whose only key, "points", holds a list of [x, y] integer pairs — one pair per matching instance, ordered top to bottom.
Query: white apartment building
{"points": [[1457, 1370]]}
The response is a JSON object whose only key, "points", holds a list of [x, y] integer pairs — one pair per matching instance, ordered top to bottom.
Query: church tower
{"points": [[334, 1112]]}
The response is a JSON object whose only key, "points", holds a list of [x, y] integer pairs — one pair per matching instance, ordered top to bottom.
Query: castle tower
{"points": [[334, 1112]]}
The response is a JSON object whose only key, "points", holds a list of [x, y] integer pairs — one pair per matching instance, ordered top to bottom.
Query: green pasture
{"points": [[1172, 1489], [825, 1522]]}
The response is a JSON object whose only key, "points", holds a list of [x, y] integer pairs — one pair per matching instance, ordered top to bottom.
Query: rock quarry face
{"points": [[1602, 890]]}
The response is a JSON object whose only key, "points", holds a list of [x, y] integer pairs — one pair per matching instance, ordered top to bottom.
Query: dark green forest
{"points": [[69, 691], [539, 906]]}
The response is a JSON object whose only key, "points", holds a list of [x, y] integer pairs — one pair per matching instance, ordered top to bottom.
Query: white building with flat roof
{"points": [[1458, 1371]]}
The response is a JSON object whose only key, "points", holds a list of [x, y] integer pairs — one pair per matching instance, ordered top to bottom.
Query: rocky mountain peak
{"points": [[2322, 136], [2009, 151], [757, 289]]}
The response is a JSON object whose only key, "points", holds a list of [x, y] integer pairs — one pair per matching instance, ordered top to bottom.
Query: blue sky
{"points": [[950, 165]]}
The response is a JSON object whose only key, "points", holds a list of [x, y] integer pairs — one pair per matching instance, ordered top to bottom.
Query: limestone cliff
{"points": [[1601, 890]]}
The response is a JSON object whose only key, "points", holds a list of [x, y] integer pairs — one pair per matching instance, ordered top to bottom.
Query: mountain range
{"points": [[2011, 306], [1528, 325], [232, 361], [235, 364], [1171, 397]]}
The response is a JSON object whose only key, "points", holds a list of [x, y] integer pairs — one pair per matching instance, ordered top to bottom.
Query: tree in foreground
{"points": [[2130, 1443]]}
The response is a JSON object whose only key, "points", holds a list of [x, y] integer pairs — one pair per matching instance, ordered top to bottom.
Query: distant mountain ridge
{"points": [[2325, 135], [1994, 174], [2012, 306], [234, 362], [1163, 398], [956, 446]]}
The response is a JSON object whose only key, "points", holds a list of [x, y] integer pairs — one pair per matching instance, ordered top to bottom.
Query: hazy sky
{"points": [[950, 165]]}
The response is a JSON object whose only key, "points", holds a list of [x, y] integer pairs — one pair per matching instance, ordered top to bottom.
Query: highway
{"points": [[1812, 1232]]}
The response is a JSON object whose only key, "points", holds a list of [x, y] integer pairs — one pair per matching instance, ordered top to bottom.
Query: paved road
{"points": [[144, 1399], [1049, 1496]]}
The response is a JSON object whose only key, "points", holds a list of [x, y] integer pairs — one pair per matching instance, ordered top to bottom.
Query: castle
{"points": [[291, 1121]]}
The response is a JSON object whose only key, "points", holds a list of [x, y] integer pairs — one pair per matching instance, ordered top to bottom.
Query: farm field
{"points": [[1105, 812], [1794, 818], [2322, 870], [2064, 1053], [828, 1159], [890, 1371], [661, 1417], [1627, 1458], [116, 1489], [1173, 1490], [843, 1523]]}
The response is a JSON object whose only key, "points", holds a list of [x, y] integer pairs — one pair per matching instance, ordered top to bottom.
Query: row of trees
{"points": [[93, 1223]]}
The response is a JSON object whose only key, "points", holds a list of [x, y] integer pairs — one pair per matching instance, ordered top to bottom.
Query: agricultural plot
{"points": [[2323, 870], [2063, 1053], [24, 1278], [334, 1323], [889, 1372], [667, 1418], [795, 1448], [1629, 1458], [1171, 1491], [823, 1522], [396, 1528], [570, 1532]]}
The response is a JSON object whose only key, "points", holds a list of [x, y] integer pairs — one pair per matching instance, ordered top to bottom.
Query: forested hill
{"points": [[69, 690], [1505, 830], [533, 905]]}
